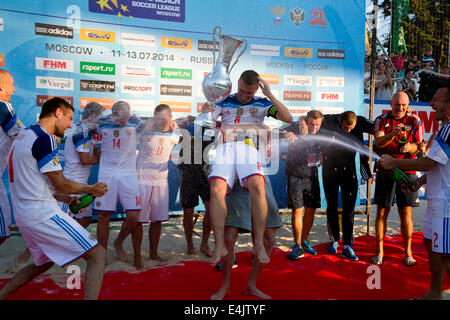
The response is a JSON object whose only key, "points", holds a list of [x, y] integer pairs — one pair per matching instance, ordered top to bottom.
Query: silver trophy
{"points": [[217, 84]]}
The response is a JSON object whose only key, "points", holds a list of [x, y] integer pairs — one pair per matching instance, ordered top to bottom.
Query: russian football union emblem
{"points": [[297, 15]]}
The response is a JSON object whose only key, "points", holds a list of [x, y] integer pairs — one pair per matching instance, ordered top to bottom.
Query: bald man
{"points": [[10, 126], [397, 133]]}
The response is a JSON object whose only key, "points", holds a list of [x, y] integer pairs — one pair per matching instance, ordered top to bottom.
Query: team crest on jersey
{"points": [[240, 111], [253, 111], [19, 123], [129, 132], [116, 133], [86, 145], [56, 160], [98, 203], [91, 237]]}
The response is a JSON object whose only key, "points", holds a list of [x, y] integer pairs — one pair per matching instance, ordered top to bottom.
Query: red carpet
{"points": [[322, 277]]}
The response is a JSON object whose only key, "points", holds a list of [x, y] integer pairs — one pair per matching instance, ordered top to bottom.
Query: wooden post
{"points": [[373, 57]]}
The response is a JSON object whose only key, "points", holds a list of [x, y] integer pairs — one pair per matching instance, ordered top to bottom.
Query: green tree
{"points": [[426, 27]]}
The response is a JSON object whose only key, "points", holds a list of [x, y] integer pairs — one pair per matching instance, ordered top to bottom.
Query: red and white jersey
{"points": [[234, 113], [386, 123], [10, 127], [80, 140], [118, 146], [33, 153], [154, 154]]}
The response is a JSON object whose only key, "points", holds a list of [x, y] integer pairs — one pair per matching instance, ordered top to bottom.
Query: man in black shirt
{"points": [[339, 171], [302, 179], [194, 183]]}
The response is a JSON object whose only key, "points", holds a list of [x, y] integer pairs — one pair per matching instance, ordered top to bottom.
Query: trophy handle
{"points": [[214, 42], [240, 54]]}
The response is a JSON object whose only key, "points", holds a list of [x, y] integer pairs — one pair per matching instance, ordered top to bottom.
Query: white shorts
{"points": [[236, 159], [124, 189], [155, 202], [5, 212], [87, 212], [427, 222], [440, 228], [59, 239]]}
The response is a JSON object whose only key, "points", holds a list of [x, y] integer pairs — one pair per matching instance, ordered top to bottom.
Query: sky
{"points": [[384, 25]]}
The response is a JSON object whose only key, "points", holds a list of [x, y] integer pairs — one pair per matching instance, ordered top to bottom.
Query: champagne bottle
{"points": [[403, 139], [422, 153], [402, 179], [85, 200]]}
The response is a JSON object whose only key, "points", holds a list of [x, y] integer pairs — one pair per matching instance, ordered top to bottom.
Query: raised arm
{"points": [[283, 113]]}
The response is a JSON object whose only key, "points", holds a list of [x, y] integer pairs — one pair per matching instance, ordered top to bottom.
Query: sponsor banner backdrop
{"points": [[313, 47], [310, 52]]}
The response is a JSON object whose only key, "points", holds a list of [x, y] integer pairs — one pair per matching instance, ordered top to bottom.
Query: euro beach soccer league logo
{"points": [[297, 15]]}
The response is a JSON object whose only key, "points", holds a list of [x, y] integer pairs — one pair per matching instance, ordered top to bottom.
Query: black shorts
{"points": [[194, 183], [386, 188], [303, 192], [239, 209]]}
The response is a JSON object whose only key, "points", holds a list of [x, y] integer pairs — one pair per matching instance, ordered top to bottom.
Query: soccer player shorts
{"points": [[236, 159], [120, 188], [154, 201], [5, 212], [59, 239]]}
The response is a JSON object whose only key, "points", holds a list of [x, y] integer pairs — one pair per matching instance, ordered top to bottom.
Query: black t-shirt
{"points": [[196, 145], [299, 152], [336, 156]]}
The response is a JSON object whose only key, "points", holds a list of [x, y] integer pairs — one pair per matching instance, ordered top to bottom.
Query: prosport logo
{"points": [[52, 30], [137, 88]]}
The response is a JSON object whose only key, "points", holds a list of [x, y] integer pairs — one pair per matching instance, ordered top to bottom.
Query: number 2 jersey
{"points": [[118, 147], [33, 153], [154, 153]]}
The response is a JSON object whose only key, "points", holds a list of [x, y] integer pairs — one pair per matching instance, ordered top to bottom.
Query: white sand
{"points": [[173, 243]]}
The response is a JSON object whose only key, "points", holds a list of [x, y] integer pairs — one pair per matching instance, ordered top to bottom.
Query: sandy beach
{"points": [[173, 244]]}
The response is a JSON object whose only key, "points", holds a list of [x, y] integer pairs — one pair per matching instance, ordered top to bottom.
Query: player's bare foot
{"points": [[190, 249], [206, 250], [121, 254], [261, 254], [217, 255], [158, 258], [138, 263], [250, 291], [219, 295], [431, 296]]}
